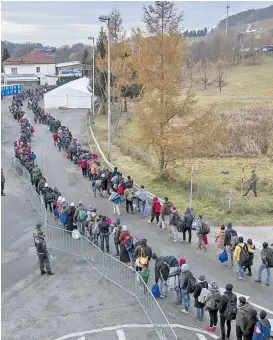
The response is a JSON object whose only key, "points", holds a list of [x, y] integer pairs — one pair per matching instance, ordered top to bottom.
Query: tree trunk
{"points": [[125, 105]]}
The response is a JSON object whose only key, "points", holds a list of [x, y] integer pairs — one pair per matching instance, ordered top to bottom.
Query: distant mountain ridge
{"points": [[247, 17], [62, 54]]}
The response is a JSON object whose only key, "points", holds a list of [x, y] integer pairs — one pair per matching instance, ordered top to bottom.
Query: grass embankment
{"points": [[247, 86]]}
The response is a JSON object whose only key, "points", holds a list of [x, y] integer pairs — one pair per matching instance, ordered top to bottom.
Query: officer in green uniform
{"points": [[253, 183], [43, 254]]}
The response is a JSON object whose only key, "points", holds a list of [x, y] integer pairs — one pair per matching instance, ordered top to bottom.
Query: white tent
{"points": [[72, 95]]}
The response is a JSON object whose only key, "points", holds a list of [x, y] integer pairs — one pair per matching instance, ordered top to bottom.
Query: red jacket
{"points": [[55, 136], [83, 163], [120, 190], [123, 236]]}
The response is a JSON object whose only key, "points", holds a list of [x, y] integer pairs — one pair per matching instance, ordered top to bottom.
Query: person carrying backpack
{"points": [[128, 194], [156, 208], [188, 220], [201, 230], [116, 234], [230, 242], [142, 249], [251, 250], [241, 257], [267, 263], [162, 270], [187, 284], [199, 294], [212, 302], [227, 310], [243, 315], [262, 329]]}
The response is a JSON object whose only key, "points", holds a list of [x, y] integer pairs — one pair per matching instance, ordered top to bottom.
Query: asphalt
{"points": [[67, 177]]}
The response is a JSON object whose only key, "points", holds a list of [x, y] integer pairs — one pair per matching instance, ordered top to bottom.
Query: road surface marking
{"points": [[119, 327], [120, 334], [201, 336], [82, 338]]}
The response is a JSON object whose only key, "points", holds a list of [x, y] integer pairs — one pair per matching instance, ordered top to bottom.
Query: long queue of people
{"points": [[171, 274]]}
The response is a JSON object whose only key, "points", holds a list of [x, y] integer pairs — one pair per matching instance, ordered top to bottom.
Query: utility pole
{"points": [[227, 7]]}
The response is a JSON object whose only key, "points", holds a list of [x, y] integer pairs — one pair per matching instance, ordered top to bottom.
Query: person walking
{"points": [[83, 164], [3, 180], [253, 184], [128, 194], [142, 195], [117, 200], [156, 208], [166, 211], [70, 214], [188, 220], [199, 232], [104, 233], [116, 234], [219, 239], [230, 242], [142, 250], [251, 250], [43, 254], [124, 255], [241, 257], [267, 263], [162, 270], [185, 280], [199, 294], [212, 302], [228, 311], [243, 315], [249, 329], [262, 329]]}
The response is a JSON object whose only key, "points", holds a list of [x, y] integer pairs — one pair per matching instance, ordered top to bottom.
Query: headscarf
{"points": [[124, 228]]}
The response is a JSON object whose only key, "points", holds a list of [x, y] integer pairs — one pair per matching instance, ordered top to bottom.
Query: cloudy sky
{"points": [[70, 22]]}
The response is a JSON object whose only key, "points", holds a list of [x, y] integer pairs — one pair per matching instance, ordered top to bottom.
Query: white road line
{"points": [[119, 327], [120, 334], [201, 336], [82, 338]]}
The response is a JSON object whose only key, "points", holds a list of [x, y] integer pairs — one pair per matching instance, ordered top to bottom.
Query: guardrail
{"points": [[109, 164], [111, 268]]}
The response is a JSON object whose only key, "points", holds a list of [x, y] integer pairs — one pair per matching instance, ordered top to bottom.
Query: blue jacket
{"points": [[262, 330]]}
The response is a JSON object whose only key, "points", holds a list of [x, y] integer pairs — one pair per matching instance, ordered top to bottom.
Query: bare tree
{"points": [[162, 17], [116, 29], [205, 70], [221, 73]]}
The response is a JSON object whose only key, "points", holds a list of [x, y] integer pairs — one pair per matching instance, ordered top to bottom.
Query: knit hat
{"points": [[59, 198], [63, 199], [72, 204], [118, 221], [229, 225], [38, 226], [124, 228], [154, 256], [182, 261], [184, 267], [201, 278], [242, 299], [263, 314]]}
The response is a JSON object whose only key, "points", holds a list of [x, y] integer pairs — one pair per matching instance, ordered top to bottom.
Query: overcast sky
{"points": [[59, 23]]}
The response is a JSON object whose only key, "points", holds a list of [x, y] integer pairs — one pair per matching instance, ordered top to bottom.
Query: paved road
{"points": [[67, 177]]}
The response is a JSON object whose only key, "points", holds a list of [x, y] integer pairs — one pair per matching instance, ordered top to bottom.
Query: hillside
{"points": [[247, 17], [62, 54]]}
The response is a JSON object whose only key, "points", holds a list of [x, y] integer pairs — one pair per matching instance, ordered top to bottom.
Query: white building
{"points": [[31, 70]]}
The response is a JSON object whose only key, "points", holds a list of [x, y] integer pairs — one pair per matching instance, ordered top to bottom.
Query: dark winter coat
{"points": [[70, 214], [188, 219], [103, 227], [142, 244], [161, 269], [197, 292], [224, 301], [250, 325]]}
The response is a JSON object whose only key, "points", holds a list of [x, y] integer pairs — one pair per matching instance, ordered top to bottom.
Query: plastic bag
{"points": [[147, 210], [162, 225], [76, 234], [223, 256], [155, 290]]}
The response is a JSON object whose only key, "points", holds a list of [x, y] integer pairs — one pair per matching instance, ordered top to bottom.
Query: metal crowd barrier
{"points": [[111, 268]]}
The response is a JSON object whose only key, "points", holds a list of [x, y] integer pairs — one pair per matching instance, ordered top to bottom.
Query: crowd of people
{"points": [[172, 275]]}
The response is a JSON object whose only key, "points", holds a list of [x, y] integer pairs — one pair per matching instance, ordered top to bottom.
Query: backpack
{"points": [[115, 179], [129, 196], [157, 207], [82, 215], [63, 217], [180, 224], [205, 228], [95, 229], [233, 240], [129, 244], [244, 256], [269, 258], [172, 261], [191, 284], [203, 294], [215, 301], [231, 309], [265, 331]]}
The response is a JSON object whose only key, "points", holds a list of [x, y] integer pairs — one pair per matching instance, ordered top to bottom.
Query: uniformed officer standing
{"points": [[2, 183], [253, 183], [43, 253]]}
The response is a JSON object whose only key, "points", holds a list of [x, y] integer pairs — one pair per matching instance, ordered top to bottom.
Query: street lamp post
{"points": [[103, 18], [93, 76]]}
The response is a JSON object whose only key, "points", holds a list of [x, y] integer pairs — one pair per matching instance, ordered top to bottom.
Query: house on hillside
{"points": [[251, 29], [31, 70]]}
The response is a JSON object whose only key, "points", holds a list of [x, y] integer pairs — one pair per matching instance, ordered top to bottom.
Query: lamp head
{"points": [[104, 18]]}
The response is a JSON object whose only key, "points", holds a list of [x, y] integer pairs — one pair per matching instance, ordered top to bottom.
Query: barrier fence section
{"points": [[111, 268]]}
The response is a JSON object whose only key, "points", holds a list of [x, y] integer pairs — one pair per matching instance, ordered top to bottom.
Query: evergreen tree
{"points": [[115, 26], [5, 54]]}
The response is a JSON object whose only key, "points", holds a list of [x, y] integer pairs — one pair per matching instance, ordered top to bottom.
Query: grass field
{"points": [[248, 86]]}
